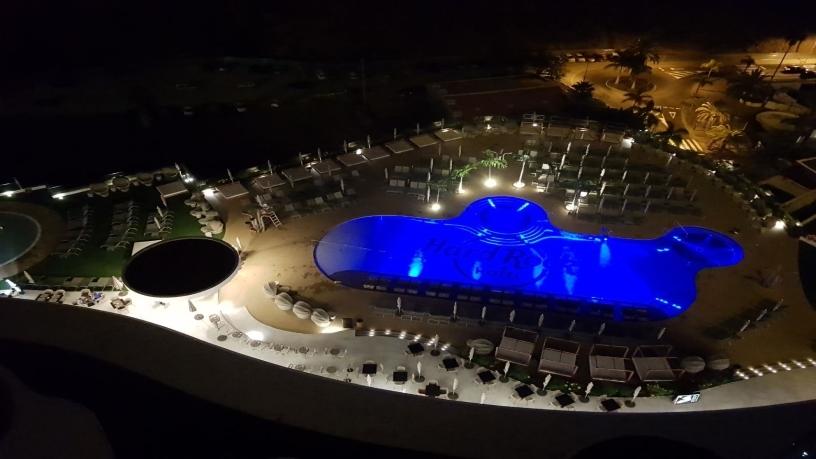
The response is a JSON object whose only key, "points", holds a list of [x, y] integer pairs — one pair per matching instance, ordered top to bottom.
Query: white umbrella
{"points": [[417, 129], [395, 133], [368, 141], [460, 151], [319, 156], [431, 165], [450, 165], [269, 166], [385, 169], [230, 175], [428, 194], [158, 209], [156, 221], [238, 243], [28, 277], [284, 301], [777, 305], [454, 309], [302, 310], [484, 311], [512, 315], [540, 319], [572, 325], [744, 326], [601, 329], [661, 333], [471, 353], [419, 369], [368, 380], [546, 381], [454, 385], [589, 388], [636, 393], [482, 398]]}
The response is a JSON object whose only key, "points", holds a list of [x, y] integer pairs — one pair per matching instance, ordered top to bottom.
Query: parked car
{"points": [[793, 69], [808, 75]]}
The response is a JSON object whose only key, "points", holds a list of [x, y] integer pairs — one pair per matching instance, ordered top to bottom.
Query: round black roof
{"points": [[180, 267]]}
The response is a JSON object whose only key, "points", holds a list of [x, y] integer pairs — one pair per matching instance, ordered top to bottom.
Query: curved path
{"points": [[175, 351]]}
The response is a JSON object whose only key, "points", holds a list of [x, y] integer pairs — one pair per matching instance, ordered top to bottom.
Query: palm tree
{"points": [[792, 39], [646, 49], [748, 61], [618, 62], [712, 65], [636, 69], [702, 79], [750, 86], [583, 90], [638, 97], [647, 114], [711, 115], [723, 134], [670, 135], [492, 160]]}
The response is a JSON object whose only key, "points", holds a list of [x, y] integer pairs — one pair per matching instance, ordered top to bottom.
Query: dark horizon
{"points": [[56, 36]]}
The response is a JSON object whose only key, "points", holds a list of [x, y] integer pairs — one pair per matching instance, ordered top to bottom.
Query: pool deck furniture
{"points": [[448, 134], [423, 140], [399, 146], [375, 153], [351, 159], [325, 167], [296, 174], [268, 181], [169, 190], [233, 190], [516, 346], [559, 356], [609, 363], [653, 363]]}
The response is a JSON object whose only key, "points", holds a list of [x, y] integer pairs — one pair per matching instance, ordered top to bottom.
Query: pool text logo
{"points": [[490, 264]]}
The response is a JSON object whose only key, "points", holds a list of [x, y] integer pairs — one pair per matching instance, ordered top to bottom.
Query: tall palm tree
{"points": [[791, 40], [646, 49], [748, 61], [618, 62], [713, 65], [636, 69], [638, 97], [711, 115], [722, 135]]}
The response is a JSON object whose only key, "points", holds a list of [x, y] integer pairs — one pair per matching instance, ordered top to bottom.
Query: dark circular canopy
{"points": [[180, 267]]}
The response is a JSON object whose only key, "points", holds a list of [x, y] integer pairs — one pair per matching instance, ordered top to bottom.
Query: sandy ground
{"points": [[286, 255]]}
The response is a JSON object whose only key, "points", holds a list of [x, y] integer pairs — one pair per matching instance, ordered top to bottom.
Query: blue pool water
{"points": [[507, 246]]}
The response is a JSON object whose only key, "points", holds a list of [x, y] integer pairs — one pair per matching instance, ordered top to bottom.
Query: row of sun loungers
{"points": [[124, 226], [78, 232], [606, 362]]}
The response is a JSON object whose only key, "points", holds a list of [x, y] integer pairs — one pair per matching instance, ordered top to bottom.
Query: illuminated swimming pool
{"points": [[506, 247]]}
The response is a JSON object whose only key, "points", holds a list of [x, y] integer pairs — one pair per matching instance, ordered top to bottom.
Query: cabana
{"points": [[448, 134], [423, 140], [399, 146], [375, 153], [351, 159], [325, 167], [296, 174], [268, 181], [169, 190], [232, 190], [516, 346], [558, 356], [609, 363], [653, 363]]}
